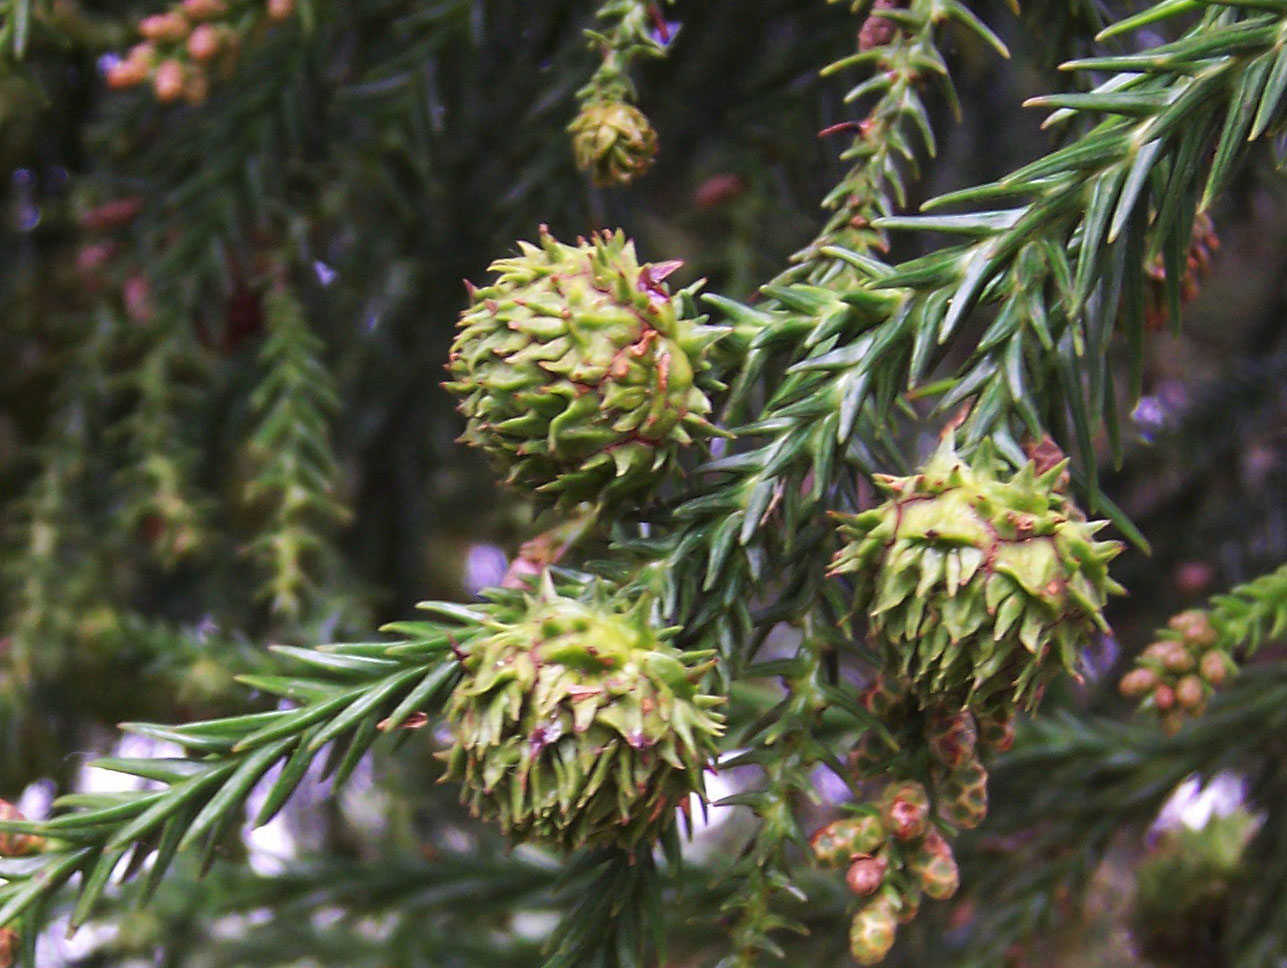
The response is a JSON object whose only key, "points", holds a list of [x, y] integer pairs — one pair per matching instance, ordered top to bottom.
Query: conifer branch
{"points": [[632, 29], [375, 155], [1064, 269], [804, 423], [295, 475], [157, 482], [47, 570], [1253, 613], [348, 697]]}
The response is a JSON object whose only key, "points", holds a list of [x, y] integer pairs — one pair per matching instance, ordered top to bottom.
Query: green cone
{"points": [[614, 141], [579, 372], [977, 589], [577, 725], [996, 729], [951, 737], [963, 795], [905, 810], [842, 840], [933, 865], [871, 934]]}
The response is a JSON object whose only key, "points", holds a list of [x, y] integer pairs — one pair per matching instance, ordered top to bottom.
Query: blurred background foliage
{"points": [[222, 331]]}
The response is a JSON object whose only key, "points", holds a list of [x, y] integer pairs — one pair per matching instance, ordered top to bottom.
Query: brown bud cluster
{"points": [[182, 46], [1177, 674], [956, 740], [893, 849], [893, 855]]}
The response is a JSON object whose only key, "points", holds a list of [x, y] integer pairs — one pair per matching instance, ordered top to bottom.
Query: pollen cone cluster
{"points": [[579, 372], [978, 589], [1177, 674], [576, 724], [895, 856]]}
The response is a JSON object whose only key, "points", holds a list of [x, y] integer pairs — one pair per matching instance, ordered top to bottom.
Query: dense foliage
{"points": [[772, 478]]}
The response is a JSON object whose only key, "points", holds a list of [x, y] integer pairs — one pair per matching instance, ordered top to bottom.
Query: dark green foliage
{"points": [[222, 426]]}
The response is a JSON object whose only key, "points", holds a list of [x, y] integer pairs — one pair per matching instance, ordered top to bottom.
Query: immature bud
{"points": [[204, 9], [280, 9], [165, 27], [878, 31], [204, 42], [144, 55], [126, 73], [169, 81], [614, 141], [112, 214], [136, 293], [1195, 625], [1157, 651], [1178, 658], [1214, 667], [1138, 682], [1190, 693], [1163, 697], [996, 730], [952, 737], [963, 799], [905, 810], [842, 840], [829, 846], [934, 866], [866, 874], [909, 905], [871, 934]]}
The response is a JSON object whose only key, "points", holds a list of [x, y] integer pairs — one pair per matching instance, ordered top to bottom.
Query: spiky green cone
{"points": [[613, 141], [579, 372], [977, 589], [577, 725]]}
